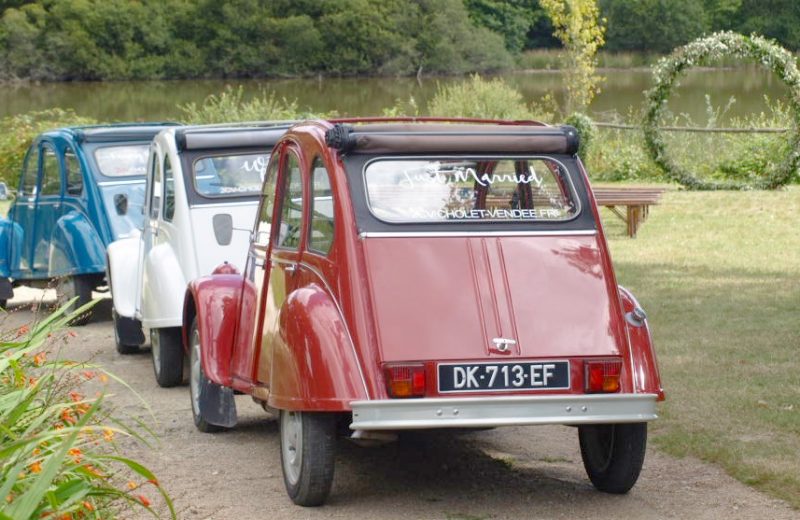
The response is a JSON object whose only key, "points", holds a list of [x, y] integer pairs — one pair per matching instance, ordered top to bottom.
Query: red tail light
{"points": [[602, 376], [405, 380]]}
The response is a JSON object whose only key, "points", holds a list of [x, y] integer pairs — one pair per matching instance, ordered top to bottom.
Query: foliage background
{"points": [[153, 39]]}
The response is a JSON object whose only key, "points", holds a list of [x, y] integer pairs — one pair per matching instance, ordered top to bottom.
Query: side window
{"points": [[30, 172], [51, 173], [74, 175], [155, 185], [169, 190], [291, 218], [264, 223], [320, 235]]}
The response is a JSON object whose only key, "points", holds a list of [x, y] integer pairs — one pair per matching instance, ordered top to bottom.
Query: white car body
{"points": [[187, 233]]}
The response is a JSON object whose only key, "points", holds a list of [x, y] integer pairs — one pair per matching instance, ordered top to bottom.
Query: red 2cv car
{"points": [[408, 274]]}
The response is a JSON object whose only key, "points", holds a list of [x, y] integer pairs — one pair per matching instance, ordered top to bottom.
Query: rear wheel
{"points": [[80, 286], [167, 356], [198, 380], [308, 445], [613, 454]]}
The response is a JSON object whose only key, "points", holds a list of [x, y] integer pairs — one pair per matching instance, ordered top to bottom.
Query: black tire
{"points": [[68, 287], [3, 304], [128, 334], [167, 354], [198, 379], [308, 447], [613, 454]]}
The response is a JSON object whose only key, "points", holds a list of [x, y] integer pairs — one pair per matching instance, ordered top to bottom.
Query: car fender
{"points": [[10, 246], [76, 247], [122, 274], [163, 288], [214, 302], [645, 364], [314, 365]]}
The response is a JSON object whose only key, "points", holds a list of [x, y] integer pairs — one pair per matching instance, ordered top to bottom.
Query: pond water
{"points": [[622, 93]]}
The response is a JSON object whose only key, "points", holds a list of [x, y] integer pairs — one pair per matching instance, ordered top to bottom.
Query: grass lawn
{"points": [[719, 276]]}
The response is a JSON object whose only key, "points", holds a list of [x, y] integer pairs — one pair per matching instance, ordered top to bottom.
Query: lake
{"points": [[622, 93]]}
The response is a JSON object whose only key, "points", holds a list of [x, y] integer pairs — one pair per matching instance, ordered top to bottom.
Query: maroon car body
{"points": [[425, 274]]}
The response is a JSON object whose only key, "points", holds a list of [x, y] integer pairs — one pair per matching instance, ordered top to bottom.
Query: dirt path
{"points": [[504, 473]]}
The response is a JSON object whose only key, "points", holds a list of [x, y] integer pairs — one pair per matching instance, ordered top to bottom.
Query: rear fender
{"points": [[10, 247], [75, 247], [122, 273], [214, 302], [314, 365], [646, 375]]}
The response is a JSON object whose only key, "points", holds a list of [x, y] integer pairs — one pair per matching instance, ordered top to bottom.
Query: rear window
{"points": [[122, 161], [230, 175], [468, 190]]}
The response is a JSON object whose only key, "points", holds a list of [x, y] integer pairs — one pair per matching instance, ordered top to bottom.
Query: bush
{"points": [[488, 99], [229, 106], [17, 134], [58, 454]]}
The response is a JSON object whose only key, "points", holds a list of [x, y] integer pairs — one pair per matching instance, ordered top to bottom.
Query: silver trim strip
{"points": [[120, 183], [224, 204], [421, 234], [479, 412]]}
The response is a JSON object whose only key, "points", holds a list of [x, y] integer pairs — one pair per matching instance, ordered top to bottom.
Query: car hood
{"points": [[449, 298]]}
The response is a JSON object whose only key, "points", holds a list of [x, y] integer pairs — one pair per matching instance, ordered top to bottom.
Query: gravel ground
{"points": [[519, 472]]}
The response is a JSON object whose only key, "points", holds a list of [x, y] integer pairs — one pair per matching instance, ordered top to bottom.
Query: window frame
{"points": [[48, 148], [69, 152], [26, 173], [285, 173], [311, 178], [167, 190]]}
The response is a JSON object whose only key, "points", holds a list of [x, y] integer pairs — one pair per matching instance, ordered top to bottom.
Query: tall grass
{"points": [[230, 106], [58, 452]]}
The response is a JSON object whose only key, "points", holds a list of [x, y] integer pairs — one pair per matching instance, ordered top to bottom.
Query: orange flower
{"points": [[23, 330], [72, 333], [39, 359], [88, 374], [103, 378], [32, 381], [75, 396], [82, 408], [66, 416], [58, 426], [108, 434], [36, 452], [76, 454], [36, 467], [94, 471], [153, 481], [132, 485], [10, 498], [143, 500], [88, 505], [65, 516]]}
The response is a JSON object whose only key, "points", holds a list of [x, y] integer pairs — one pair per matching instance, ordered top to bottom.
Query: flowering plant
{"points": [[667, 73], [58, 452]]}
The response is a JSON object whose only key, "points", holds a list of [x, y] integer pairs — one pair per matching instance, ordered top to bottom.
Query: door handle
{"points": [[290, 268]]}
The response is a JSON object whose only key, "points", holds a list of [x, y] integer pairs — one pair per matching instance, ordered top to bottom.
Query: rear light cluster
{"points": [[602, 375], [405, 380]]}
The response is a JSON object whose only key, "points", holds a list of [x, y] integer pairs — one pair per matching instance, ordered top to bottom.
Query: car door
{"points": [[152, 207], [48, 211], [23, 214], [287, 243], [251, 313]]}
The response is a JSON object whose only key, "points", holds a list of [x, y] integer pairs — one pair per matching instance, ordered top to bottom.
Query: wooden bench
{"points": [[637, 202]]}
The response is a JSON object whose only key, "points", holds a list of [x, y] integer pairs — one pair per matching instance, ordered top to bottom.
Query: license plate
{"points": [[486, 377]]}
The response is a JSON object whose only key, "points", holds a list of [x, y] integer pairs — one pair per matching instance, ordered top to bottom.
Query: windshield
{"points": [[122, 161], [230, 175], [469, 190], [124, 203]]}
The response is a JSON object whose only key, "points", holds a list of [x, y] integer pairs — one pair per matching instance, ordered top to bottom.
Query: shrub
{"points": [[229, 106], [17, 134], [58, 453]]}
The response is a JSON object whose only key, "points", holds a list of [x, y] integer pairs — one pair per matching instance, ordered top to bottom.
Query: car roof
{"points": [[116, 132], [238, 135]]}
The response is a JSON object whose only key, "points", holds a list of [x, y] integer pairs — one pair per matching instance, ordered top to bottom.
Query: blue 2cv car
{"points": [[80, 189]]}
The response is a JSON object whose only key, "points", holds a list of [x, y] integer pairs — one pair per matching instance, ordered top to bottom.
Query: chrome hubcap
{"points": [[195, 373], [292, 444]]}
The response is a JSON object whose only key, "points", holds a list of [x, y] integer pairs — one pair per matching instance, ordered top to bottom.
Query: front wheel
{"points": [[167, 350], [308, 445], [613, 454]]}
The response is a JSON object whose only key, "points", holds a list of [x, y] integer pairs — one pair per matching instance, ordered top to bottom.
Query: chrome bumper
{"points": [[467, 412]]}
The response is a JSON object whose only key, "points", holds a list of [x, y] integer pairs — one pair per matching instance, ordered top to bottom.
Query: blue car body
{"points": [[80, 189]]}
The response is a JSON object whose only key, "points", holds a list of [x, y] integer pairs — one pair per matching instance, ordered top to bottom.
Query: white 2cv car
{"points": [[203, 186]]}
